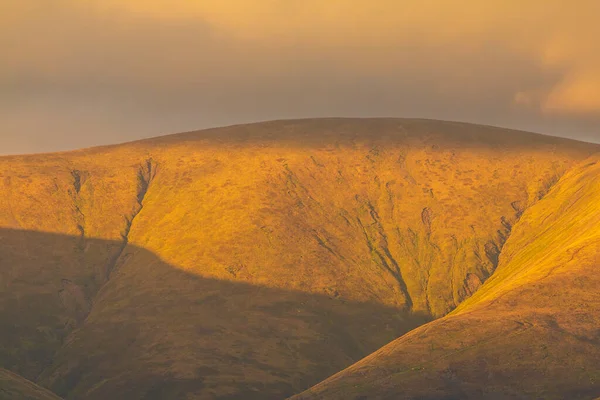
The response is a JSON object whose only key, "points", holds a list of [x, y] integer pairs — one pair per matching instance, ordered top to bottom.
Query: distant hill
{"points": [[254, 261]]}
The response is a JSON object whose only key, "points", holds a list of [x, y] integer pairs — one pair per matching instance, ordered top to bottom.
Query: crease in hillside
{"points": [[145, 176], [79, 179], [295, 189], [427, 219], [323, 241], [377, 242], [494, 246], [493, 249], [488, 251], [420, 254], [71, 292], [76, 295]]}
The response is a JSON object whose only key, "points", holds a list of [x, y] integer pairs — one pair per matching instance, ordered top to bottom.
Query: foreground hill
{"points": [[252, 261], [531, 331], [15, 387]]}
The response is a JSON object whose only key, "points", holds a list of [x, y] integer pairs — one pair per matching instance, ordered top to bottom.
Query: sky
{"points": [[78, 73]]}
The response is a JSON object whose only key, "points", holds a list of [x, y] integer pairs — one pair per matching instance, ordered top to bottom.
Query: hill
{"points": [[253, 261], [531, 331], [15, 387]]}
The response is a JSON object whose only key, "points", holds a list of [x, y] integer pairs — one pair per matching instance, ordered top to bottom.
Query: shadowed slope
{"points": [[410, 215], [532, 330], [157, 332], [14, 387]]}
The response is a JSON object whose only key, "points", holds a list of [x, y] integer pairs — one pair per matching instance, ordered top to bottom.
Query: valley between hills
{"points": [[312, 259]]}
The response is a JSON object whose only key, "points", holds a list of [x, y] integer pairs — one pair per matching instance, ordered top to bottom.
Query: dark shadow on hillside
{"points": [[157, 332]]}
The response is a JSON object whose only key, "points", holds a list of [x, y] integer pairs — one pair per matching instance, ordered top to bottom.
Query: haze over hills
{"points": [[255, 261]]}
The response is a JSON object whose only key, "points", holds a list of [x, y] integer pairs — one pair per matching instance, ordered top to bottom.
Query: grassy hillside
{"points": [[252, 260], [531, 331], [162, 332], [14, 387]]}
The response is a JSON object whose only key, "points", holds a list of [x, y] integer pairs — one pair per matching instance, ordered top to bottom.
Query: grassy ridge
{"points": [[532, 329]]}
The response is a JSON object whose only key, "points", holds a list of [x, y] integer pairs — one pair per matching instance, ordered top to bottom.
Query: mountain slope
{"points": [[244, 261], [531, 331], [15, 387]]}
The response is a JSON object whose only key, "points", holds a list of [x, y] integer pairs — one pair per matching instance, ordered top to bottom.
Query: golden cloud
{"points": [[412, 39]]}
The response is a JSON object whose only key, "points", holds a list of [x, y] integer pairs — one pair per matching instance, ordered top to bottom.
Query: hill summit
{"points": [[255, 261]]}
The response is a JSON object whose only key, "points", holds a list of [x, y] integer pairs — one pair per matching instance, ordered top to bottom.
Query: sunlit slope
{"points": [[360, 209], [299, 229], [47, 288], [531, 331], [13, 387]]}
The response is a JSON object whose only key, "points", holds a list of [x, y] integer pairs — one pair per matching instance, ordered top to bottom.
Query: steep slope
{"points": [[244, 261], [46, 288], [531, 331], [15, 387]]}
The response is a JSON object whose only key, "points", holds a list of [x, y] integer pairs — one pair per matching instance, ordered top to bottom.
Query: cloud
{"points": [[514, 63]]}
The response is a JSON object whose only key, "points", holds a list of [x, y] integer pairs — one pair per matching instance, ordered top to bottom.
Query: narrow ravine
{"points": [[145, 176]]}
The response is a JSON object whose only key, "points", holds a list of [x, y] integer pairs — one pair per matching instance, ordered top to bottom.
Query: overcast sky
{"points": [[76, 73]]}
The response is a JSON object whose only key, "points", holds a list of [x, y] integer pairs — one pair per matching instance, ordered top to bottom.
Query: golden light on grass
{"points": [[241, 257]]}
